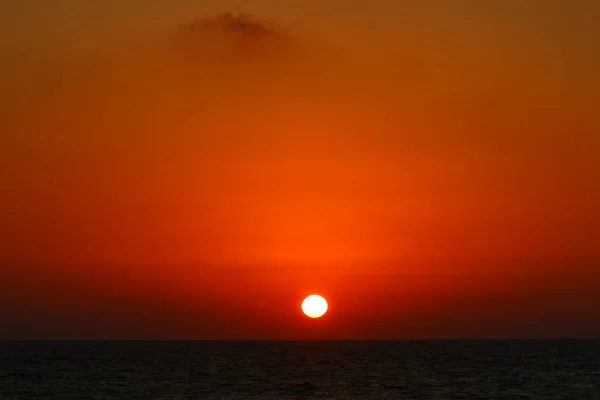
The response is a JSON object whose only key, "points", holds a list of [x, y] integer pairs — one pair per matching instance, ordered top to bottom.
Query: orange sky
{"points": [[432, 170]]}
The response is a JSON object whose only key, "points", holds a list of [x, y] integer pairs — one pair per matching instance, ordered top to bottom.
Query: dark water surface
{"points": [[301, 370]]}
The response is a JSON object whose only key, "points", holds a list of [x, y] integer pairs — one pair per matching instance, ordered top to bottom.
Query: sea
{"points": [[128, 370]]}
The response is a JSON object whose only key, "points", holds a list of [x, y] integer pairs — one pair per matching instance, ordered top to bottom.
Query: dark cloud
{"points": [[241, 24], [234, 35]]}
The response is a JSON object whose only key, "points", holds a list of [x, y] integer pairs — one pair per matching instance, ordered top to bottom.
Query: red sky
{"points": [[431, 180]]}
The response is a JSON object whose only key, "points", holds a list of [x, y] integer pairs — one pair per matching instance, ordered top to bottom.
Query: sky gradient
{"points": [[432, 168]]}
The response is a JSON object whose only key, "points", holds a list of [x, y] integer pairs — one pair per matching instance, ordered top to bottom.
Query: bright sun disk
{"points": [[314, 306]]}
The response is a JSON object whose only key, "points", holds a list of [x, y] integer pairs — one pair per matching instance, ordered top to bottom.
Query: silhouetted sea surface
{"points": [[553, 369]]}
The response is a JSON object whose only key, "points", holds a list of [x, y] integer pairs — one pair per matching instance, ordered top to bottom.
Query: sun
{"points": [[314, 306]]}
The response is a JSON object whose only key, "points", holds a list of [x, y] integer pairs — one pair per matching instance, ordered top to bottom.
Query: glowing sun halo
{"points": [[314, 306]]}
